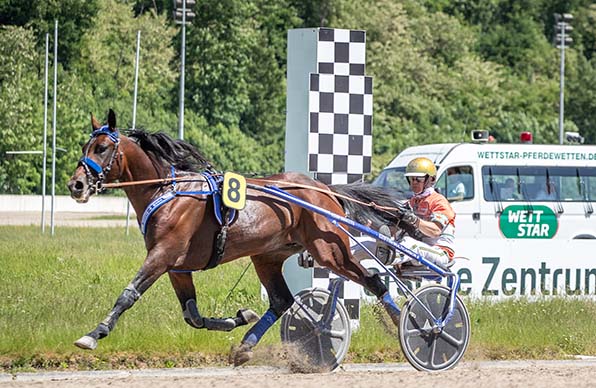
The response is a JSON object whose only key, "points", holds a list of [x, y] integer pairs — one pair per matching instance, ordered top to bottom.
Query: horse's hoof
{"points": [[248, 315], [86, 342], [241, 355]]}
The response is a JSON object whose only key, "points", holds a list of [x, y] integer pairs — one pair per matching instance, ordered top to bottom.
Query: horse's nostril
{"points": [[79, 185]]}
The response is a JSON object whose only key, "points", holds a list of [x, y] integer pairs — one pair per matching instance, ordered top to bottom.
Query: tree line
{"points": [[440, 68]]}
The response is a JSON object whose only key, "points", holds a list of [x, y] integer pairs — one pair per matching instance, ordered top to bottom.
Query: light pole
{"points": [[183, 14], [562, 40], [45, 138]]}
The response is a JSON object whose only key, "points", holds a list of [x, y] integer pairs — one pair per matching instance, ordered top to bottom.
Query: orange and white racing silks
{"points": [[436, 208]]}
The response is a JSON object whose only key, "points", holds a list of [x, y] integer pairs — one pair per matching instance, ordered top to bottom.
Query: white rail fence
{"points": [[63, 203]]}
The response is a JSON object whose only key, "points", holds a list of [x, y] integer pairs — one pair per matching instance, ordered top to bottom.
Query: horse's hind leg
{"points": [[337, 258], [269, 270], [185, 291]]}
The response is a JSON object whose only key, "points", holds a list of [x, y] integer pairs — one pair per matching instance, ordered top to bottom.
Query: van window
{"points": [[394, 178], [588, 182], [456, 183], [538, 183]]}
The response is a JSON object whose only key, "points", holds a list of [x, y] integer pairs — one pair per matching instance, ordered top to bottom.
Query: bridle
{"points": [[96, 175]]}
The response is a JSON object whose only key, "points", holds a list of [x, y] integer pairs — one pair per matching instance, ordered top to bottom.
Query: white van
{"points": [[524, 214]]}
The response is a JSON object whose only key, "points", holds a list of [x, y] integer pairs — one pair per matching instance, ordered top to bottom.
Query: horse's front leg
{"points": [[269, 271], [147, 275], [185, 291]]}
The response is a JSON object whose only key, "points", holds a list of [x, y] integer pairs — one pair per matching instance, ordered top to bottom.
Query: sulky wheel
{"points": [[321, 340], [428, 348]]}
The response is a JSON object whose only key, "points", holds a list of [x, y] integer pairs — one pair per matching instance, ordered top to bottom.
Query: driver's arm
{"points": [[430, 229]]}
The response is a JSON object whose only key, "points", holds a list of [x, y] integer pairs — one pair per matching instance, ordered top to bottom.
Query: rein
{"points": [[149, 181], [287, 186], [337, 195]]}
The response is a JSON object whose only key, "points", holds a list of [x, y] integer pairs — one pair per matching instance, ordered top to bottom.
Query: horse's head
{"points": [[95, 166]]}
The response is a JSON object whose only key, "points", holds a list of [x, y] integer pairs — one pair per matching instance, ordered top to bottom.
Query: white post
{"points": [[182, 63], [562, 85], [134, 101], [134, 114], [54, 126], [45, 142]]}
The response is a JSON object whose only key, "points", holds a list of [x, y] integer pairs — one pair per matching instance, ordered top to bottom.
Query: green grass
{"points": [[55, 289], [542, 328]]}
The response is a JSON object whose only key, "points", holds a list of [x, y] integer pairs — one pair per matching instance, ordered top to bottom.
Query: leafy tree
{"points": [[157, 7], [315, 13], [74, 17], [219, 44], [519, 44], [107, 60], [235, 65], [441, 68], [427, 88], [580, 99], [21, 111], [264, 117], [229, 149]]}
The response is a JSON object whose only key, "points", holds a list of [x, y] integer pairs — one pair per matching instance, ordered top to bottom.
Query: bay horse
{"points": [[181, 230]]}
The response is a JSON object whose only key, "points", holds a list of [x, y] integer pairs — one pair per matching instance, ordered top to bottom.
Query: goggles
{"points": [[419, 179]]}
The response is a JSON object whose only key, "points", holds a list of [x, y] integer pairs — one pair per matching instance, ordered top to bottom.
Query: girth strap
{"points": [[219, 208], [225, 217]]}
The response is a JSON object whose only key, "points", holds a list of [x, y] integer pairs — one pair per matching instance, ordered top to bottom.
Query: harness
{"points": [[94, 170], [224, 215]]}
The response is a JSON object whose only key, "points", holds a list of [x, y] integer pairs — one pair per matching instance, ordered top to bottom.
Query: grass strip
{"points": [[55, 289]]}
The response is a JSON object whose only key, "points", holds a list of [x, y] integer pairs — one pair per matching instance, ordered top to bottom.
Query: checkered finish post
{"points": [[340, 108], [328, 127]]}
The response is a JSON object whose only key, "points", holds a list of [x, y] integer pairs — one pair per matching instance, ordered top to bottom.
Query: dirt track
{"points": [[581, 373]]}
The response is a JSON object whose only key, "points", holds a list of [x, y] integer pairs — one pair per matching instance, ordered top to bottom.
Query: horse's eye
{"points": [[100, 149]]}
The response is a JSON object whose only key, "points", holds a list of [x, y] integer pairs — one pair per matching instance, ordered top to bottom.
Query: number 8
{"points": [[233, 193]]}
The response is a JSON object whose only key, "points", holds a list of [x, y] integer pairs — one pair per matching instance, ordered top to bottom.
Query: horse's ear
{"points": [[112, 120], [94, 123]]}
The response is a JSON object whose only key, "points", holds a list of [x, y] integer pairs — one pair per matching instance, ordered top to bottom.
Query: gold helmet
{"points": [[421, 167]]}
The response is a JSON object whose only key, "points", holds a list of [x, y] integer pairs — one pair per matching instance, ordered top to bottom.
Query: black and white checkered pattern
{"points": [[340, 108], [349, 293]]}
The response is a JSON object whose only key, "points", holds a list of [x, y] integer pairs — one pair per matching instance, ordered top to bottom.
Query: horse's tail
{"points": [[363, 210]]}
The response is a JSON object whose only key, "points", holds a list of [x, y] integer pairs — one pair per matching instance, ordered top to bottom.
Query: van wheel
{"points": [[584, 237]]}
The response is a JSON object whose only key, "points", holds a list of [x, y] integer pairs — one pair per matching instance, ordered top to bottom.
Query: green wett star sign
{"points": [[519, 221]]}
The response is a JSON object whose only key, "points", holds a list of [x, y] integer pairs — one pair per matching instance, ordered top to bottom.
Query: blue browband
{"points": [[105, 130]]}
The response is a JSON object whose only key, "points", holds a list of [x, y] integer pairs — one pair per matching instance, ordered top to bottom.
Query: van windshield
{"points": [[394, 178], [538, 183]]}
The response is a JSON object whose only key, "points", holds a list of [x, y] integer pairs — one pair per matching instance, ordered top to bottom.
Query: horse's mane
{"points": [[169, 151], [367, 193]]}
